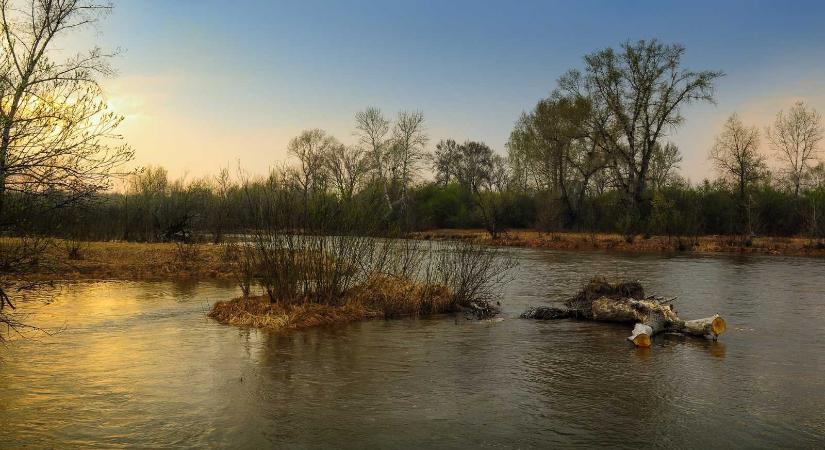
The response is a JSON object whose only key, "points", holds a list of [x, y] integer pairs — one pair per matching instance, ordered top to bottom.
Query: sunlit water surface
{"points": [[140, 365]]}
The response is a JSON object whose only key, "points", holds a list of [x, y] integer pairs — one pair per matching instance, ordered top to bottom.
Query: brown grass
{"points": [[791, 246], [128, 261], [379, 297], [259, 312]]}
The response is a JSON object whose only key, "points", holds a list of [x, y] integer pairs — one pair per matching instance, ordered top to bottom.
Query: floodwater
{"points": [[140, 365]]}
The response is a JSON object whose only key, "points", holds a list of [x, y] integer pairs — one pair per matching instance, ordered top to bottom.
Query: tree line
{"points": [[593, 156]]}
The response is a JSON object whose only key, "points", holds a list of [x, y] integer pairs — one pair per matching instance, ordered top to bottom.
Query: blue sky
{"points": [[204, 84]]}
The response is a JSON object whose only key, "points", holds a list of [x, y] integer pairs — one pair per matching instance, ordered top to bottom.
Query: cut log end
{"points": [[626, 302], [655, 323], [718, 326], [642, 335], [642, 340]]}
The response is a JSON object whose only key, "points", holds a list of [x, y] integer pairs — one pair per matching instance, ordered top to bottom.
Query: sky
{"points": [[208, 84]]}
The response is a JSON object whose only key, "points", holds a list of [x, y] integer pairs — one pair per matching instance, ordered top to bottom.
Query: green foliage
{"points": [[438, 206], [777, 212], [677, 213]]}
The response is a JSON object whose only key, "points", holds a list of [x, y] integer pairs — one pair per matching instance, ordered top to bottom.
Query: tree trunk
{"points": [[3, 157], [2, 195], [626, 303], [709, 326], [643, 332]]}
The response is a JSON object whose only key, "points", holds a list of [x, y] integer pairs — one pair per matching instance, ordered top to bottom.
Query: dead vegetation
{"points": [[796, 246], [38, 259], [381, 278], [599, 288], [380, 296], [625, 302], [259, 312]]}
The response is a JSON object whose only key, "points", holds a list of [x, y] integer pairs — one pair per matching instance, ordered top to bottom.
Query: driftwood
{"points": [[625, 302], [482, 310]]}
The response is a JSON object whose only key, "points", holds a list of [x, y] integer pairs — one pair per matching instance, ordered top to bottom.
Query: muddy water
{"points": [[139, 365]]}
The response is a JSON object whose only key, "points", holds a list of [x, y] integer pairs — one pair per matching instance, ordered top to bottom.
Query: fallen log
{"points": [[625, 302], [482, 310], [709, 326], [643, 332]]}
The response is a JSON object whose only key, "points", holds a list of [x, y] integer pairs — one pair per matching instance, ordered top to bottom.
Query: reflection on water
{"points": [[139, 364]]}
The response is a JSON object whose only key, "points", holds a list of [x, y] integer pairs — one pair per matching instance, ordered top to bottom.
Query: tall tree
{"points": [[637, 93], [373, 130], [56, 131], [57, 136], [795, 137], [409, 139], [557, 142], [312, 149], [517, 149], [736, 155], [445, 159], [473, 165], [663, 165], [347, 166], [148, 188], [491, 195], [218, 210]]}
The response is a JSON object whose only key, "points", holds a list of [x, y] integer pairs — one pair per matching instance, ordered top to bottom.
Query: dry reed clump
{"points": [[599, 287], [380, 296], [396, 296], [259, 312]]}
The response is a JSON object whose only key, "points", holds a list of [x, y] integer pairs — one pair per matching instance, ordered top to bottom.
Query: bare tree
{"points": [[637, 94], [373, 130], [56, 131], [795, 137], [57, 139], [557, 142], [312, 148], [517, 149], [407, 152], [736, 155], [445, 159], [665, 161], [472, 165], [348, 166], [817, 176], [149, 187], [491, 195], [219, 211]]}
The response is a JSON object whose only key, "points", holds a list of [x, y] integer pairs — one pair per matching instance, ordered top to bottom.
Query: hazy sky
{"points": [[204, 84]]}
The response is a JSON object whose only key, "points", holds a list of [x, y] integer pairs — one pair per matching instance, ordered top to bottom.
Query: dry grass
{"points": [[794, 246], [128, 261], [379, 297], [397, 297], [259, 312]]}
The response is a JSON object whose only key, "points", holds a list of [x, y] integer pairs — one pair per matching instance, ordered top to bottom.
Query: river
{"points": [[138, 364]]}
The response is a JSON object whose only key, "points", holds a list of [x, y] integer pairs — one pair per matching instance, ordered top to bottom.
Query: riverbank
{"points": [[617, 242], [128, 261], [133, 261], [310, 288]]}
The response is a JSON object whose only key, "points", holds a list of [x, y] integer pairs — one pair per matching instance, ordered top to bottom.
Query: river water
{"points": [[139, 365]]}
